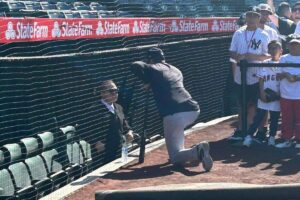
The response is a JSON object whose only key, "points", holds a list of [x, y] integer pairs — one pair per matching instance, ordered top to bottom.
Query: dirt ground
{"points": [[259, 164]]}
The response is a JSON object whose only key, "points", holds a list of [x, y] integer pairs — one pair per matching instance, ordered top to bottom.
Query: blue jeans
{"points": [[259, 116]]}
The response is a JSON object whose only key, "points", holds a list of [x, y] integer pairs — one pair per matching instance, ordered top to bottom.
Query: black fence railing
{"points": [[244, 65]]}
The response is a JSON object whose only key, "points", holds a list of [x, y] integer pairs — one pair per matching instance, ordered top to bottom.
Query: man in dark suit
{"points": [[105, 125]]}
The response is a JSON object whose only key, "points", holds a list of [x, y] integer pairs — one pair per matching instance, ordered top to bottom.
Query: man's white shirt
{"points": [[273, 35], [254, 42], [110, 107]]}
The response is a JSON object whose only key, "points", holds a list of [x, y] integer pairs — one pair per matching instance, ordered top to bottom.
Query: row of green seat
{"points": [[39, 165]]}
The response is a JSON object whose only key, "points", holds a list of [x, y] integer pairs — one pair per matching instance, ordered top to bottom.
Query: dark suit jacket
{"points": [[99, 124]]}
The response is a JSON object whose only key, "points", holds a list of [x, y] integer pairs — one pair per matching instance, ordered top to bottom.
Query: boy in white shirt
{"points": [[267, 80], [290, 96]]}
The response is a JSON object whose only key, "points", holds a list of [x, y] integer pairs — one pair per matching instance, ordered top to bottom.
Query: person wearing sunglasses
{"points": [[176, 107], [105, 125]]}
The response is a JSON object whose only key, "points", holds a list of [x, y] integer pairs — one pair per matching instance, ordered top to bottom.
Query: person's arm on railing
{"points": [[255, 57]]}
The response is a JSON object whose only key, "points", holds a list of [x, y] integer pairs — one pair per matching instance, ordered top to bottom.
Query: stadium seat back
{"points": [[30, 5], [16, 6], [48, 6], [64, 6], [96, 6], [72, 14], [56, 15], [88, 15], [46, 140], [30, 147], [15, 152], [74, 154], [51, 161], [36, 167], [20, 174], [6, 183]]}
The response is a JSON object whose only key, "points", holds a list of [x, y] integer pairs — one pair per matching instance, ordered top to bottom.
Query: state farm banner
{"points": [[38, 29]]}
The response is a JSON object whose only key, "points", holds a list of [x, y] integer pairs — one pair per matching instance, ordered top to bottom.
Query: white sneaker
{"points": [[247, 141], [271, 141], [285, 144], [204, 156]]}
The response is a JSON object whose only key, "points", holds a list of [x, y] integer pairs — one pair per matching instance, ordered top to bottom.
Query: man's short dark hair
{"points": [[274, 43], [156, 54], [103, 86]]}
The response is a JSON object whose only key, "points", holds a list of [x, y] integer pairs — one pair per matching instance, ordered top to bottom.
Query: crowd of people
{"points": [[269, 37]]}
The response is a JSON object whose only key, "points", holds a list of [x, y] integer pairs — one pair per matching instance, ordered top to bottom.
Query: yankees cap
{"points": [[264, 7]]}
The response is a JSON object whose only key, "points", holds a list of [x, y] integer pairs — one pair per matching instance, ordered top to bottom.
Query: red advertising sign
{"points": [[38, 29]]}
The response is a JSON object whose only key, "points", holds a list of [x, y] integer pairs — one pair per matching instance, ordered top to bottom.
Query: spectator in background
{"points": [[284, 10], [265, 12], [296, 12], [283, 25], [251, 43], [267, 81], [290, 96], [175, 105], [105, 124]]}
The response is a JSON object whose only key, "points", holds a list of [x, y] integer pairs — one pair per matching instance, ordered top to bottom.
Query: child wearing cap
{"points": [[267, 81], [290, 96]]}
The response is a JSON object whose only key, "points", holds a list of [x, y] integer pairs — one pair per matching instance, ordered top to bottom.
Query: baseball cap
{"points": [[296, 4], [264, 7], [252, 13], [291, 37], [297, 41], [156, 54]]}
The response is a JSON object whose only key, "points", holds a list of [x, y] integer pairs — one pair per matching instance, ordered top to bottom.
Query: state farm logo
{"points": [[174, 26], [215, 27], [135, 28], [100, 30], [56, 32], [10, 33]]}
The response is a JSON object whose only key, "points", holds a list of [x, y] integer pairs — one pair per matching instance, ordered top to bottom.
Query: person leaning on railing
{"points": [[175, 105]]}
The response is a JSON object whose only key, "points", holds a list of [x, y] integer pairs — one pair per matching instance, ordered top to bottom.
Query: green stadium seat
{"points": [[30, 5], [16, 6], [48, 6], [64, 6], [81, 6], [96, 6], [89, 14], [55, 15], [72, 15], [45, 140], [29, 147], [36, 166], [53, 168], [74, 168], [19, 174], [39, 175], [7, 185]]}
